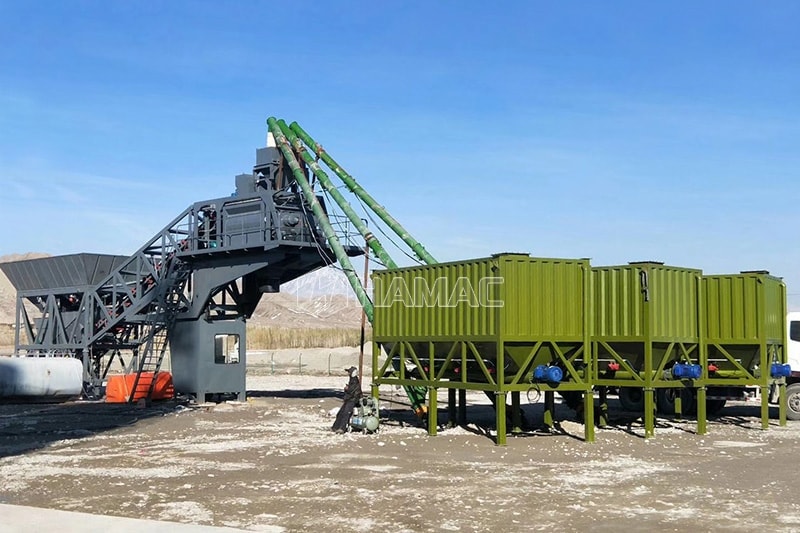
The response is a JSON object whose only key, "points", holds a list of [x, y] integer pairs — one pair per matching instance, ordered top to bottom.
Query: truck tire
{"points": [[573, 399], [631, 399], [665, 401], [793, 401], [713, 407]]}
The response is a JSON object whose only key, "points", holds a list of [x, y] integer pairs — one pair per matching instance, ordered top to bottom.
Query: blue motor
{"points": [[686, 371], [780, 371], [548, 374]]}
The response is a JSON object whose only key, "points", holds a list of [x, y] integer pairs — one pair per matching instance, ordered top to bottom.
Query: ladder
{"points": [[157, 327]]}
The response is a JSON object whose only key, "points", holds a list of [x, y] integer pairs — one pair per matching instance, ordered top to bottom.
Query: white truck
{"points": [[793, 353]]}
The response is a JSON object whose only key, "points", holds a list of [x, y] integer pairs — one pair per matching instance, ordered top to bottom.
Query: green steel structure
{"points": [[289, 141], [363, 195], [327, 229], [503, 325], [646, 328], [744, 334], [665, 337]]}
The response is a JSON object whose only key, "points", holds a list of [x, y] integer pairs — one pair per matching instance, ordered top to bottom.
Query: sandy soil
{"points": [[271, 464]]}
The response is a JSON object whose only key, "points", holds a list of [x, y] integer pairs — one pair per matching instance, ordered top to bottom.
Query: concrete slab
{"points": [[19, 518]]}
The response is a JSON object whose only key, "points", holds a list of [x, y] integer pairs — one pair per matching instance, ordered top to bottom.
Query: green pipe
{"points": [[326, 183], [356, 189], [322, 218], [730, 374], [417, 394]]}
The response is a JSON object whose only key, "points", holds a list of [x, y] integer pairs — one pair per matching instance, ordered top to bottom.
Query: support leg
{"points": [[782, 403], [764, 407], [451, 408], [500, 408], [433, 410], [701, 411], [649, 413], [588, 415]]}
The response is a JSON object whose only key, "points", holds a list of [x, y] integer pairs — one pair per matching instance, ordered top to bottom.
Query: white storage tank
{"points": [[40, 378]]}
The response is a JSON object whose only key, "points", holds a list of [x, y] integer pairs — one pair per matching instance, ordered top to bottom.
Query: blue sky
{"points": [[617, 131]]}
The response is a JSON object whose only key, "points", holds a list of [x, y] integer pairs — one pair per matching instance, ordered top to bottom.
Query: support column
{"points": [[374, 390], [679, 403], [782, 403], [765, 406], [451, 408], [433, 409], [500, 409], [701, 411], [649, 413], [588, 415]]}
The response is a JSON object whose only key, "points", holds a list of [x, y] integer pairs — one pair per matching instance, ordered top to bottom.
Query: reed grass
{"points": [[266, 338]]}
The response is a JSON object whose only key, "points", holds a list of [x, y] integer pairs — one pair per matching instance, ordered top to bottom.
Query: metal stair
{"points": [[159, 322]]}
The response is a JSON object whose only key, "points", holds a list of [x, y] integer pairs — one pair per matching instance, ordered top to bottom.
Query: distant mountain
{"points": [[327, 281], [8, 294], [320, 299]]}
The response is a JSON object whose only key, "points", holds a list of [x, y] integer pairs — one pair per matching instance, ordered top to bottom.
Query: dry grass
{"points": [[6, 335], [264, 338]]}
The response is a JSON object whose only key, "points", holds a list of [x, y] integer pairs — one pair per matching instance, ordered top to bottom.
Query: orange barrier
{"points": [[119, 387]]}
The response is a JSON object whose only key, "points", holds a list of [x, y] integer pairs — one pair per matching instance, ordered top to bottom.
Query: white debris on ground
{"points": [[272, 463]]}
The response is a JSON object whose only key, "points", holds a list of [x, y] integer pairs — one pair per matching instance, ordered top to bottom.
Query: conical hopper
{"points": [[61, 271]]}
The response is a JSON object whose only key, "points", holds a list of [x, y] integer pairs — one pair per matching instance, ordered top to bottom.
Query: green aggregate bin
{"points": [[645, 322], [485, 324], [744, 333]]}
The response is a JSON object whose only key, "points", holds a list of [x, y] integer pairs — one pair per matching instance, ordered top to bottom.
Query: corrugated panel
{"points": [[74, 270], [509, 296], [673, 296], [543, 297], [436, 301], [619, 302], [744, 307], [775, 312]]}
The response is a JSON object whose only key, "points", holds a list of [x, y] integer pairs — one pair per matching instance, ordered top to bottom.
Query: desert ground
{"points": [[272, 464]]}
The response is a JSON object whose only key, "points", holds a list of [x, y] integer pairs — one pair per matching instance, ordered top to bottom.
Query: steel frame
{"points": [[210, 262], [480, 364], [647, 368]]}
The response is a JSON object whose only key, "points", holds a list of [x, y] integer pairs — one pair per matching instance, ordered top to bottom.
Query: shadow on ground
{"points": [[296, 394], [481, 419], [26, 427]]}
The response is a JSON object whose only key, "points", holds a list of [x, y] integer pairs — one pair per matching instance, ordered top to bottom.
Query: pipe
{"points": [[326, 183], [356, 189], [322, 218], [416, 395]]}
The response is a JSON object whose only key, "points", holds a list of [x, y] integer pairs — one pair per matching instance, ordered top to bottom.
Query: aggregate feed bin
{"points": [[505, 324], [744, 335], [646, 338]]}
